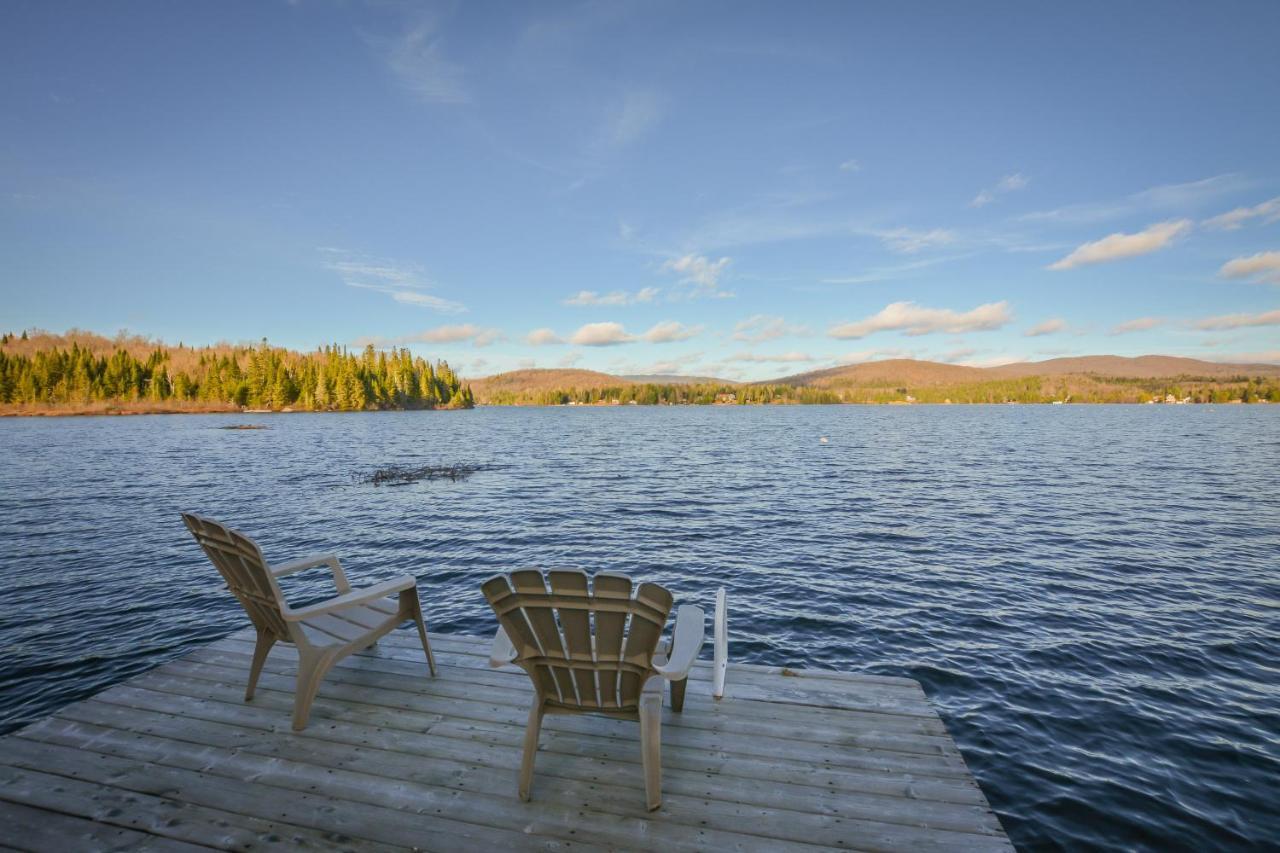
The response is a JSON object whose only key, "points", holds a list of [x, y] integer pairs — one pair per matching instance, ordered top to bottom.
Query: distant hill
{"points": [[1142, 367], [894, 371], [539, 379], [676, 379]]}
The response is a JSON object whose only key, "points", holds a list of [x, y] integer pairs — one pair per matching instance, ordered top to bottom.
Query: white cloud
{"points": [[418, 62], [639, 112], [850, 166], [1007, 184], [1234, 219], [909, 242], [1119, 245], [1264, 266], [701, 272], [403, 283], [613, 298], [917, 320], [1240, 321], [1141, 324], [764, 327], [1048, 327], [669, 331], [600, 335], [478, 336], [542, 338], [779, 358], [569, 359]]}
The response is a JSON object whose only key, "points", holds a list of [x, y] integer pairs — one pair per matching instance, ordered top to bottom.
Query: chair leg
{"points": [[415, 606], [260, 651], [311, 671], [677, 694], [531, 732], [651, 749]]}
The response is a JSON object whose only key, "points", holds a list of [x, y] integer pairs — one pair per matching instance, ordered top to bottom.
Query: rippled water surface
{"points": [[1090, 595]]}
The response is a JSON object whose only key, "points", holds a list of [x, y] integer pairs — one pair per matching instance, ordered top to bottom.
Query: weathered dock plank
{"points": [[789, 759]]}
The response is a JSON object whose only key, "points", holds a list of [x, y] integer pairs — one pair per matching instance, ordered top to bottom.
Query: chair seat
{"points": [[349, 623]]}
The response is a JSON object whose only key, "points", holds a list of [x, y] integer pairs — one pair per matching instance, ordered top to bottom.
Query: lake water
{"points": [[1090, 594]]}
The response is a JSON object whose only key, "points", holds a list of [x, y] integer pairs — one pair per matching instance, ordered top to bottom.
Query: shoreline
{"points": [[112, 411]]}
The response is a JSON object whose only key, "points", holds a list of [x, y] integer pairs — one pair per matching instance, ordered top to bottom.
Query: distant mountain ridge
{"points": [[901, 371]]}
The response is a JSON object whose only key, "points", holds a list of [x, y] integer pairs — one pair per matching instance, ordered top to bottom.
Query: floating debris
{"points": [[245, 426], [402, 475]]}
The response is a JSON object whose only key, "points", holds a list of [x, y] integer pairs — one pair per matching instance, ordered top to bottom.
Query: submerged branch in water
{"points": [[403, 475]]}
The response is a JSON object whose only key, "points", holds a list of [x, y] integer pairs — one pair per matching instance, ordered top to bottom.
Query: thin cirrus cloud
{"points": [[417, 60], [639, 112], [850, 166], [1007, 184], [1233, 220], [908, 241], [1117, 246], [1262, 267], [405, 283], [615, 298], [913, 319], [1239, 321], [1141, 324], [764, 327], [1048, 327], [612, 334], [778, 358]]}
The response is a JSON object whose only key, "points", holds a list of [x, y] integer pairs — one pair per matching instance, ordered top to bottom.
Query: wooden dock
{"points": [[393, 759]]}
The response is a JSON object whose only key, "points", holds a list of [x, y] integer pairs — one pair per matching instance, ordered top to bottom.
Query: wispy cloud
{"points": [[416, 58], [637, 114], [850, 166], [1007, 184], [1167, 197], [1234, 219], [908, 241], [1116, 246], [1262, 267], [892, 272], [701, 273], [405, 283], [613, 298], [917, 320], [1239, 321], [1141, 324], [764, 327], [1048, 327], [670, 331], [479, 337], [542, 338], [865, 355], [1271, 356], [772, 358]]}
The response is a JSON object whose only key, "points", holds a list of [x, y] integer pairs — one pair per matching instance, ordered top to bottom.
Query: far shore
{"points": [[126, 409]]}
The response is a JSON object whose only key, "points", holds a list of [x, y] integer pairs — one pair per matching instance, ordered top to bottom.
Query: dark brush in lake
{"points": [[398, 475]]}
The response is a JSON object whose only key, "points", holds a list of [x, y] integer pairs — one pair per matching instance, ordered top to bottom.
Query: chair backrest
{"points": [[240, 562], [586, 646]]}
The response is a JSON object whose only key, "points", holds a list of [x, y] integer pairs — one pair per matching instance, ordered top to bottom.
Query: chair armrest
{"points": [[330, 560], [355, 596], [686, 643], [502, 652]]}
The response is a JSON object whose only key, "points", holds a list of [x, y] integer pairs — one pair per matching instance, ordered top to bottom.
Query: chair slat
{"points": [[498, 590], [543, 621], [576, 622], [642, 639]]}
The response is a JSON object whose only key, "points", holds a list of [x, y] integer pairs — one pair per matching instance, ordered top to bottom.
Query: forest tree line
{"points": [[256, 377]]}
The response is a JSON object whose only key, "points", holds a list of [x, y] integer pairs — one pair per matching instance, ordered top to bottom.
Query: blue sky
{"points": [[733, 189]]}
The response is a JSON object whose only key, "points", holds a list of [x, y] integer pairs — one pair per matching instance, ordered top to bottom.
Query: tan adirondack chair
{"points": [[324, 633], [594, 649]]}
